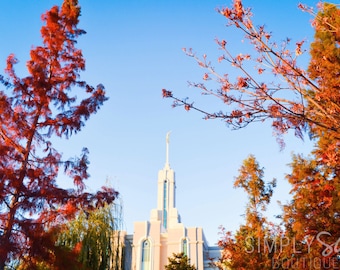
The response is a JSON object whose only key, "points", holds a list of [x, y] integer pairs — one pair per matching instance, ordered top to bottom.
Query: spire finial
{"points": [[167, 149]]}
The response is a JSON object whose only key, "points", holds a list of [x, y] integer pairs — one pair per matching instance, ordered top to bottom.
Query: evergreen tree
{"points": [[179, 261]]}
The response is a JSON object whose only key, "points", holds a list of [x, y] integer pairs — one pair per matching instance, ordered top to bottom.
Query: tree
{"points": [[324, 68], [295, 100], [308, 100], [33, 110], [313, 213], [312, 217], [95, 235], [92, 240], [254, 245], [179, 261]]}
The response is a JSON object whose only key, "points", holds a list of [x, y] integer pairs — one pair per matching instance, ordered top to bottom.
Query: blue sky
{"points": [[134, 48]]}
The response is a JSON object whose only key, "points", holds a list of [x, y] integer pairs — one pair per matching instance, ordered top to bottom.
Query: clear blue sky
{"points": [[134, 48]]}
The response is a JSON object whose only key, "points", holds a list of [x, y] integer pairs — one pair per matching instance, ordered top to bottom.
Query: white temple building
{"points": [[155, 240]]}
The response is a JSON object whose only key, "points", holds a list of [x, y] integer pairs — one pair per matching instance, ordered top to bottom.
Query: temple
{"points": [[155, 240]]}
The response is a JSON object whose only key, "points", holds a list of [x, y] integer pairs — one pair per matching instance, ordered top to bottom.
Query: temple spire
{"points": [[167, 164], [166, 211]]}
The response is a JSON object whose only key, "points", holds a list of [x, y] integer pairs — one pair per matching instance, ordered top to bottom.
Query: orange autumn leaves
{"points": [[305, 100], [291, 101], [33, 110]]}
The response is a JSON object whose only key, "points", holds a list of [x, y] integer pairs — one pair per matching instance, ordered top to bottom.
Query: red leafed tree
{"points": [[307, 99], [294, 100], [32, 110], [314, 211], [253, 246]]}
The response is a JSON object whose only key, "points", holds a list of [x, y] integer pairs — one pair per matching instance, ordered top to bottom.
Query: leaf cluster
{"points": [[294, 100]]}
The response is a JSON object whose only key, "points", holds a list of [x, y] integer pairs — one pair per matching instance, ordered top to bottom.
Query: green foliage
{"points": [[96, 238], [179, 261]]}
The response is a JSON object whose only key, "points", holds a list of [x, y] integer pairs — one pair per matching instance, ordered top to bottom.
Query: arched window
{"points": [[165, 204], [185, 246], [146, 255]]}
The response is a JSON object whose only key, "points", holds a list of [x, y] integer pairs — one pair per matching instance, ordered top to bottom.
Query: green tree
{"points": [[96, 238], [92, 240], [179, 261]]}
